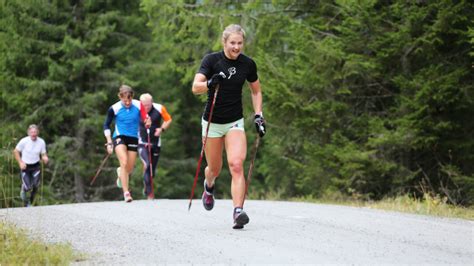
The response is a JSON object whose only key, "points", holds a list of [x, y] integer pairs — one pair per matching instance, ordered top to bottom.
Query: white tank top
{"points": [[31, 150]]}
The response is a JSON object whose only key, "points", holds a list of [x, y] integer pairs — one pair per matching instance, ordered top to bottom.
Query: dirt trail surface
{"points": [[164, 232]]}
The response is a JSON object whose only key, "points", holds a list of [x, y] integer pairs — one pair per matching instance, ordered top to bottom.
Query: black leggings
{"points": [[144, 156], [31, 178]]}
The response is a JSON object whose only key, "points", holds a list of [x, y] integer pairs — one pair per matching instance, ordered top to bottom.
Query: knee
{"points": [[123, 164], [127, 166], [236, 166], [213, 171]]}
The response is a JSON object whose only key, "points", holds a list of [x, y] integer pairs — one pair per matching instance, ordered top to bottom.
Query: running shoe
{"points": [[118, 182], [127, 197], [207, 198], [240, 219]]}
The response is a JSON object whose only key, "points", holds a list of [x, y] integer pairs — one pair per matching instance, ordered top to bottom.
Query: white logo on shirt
{"points": [[232, 71]]}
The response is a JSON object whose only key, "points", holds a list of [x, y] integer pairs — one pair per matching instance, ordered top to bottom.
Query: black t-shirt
{"points": [[228, 107], [156, 118]]}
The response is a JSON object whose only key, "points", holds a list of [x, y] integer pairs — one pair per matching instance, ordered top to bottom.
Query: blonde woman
{"points": [[226, 130]]}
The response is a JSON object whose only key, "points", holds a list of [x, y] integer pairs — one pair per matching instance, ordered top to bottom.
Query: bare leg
{"points": [[236, 149], [213, 151], [122, 155], [132, 157]]}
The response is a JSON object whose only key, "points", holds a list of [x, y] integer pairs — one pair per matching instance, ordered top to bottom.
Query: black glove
{"points": [[215, 80], [260, 125]]}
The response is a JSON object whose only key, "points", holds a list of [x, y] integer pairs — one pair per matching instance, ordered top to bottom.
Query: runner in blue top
{"points": [[127, 113], [227, 124]]}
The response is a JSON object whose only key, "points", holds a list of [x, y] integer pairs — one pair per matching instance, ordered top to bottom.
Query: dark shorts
{"points": [[130, 142], [31, 176]]}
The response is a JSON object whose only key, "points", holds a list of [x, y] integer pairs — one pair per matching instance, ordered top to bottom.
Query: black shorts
{"points": [[130, 142]]}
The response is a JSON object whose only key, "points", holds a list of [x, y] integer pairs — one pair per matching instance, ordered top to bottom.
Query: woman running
{"points": [[229, 69], [127, 114]]}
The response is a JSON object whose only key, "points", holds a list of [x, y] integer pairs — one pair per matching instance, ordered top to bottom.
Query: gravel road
{"points": [[164, 232]]}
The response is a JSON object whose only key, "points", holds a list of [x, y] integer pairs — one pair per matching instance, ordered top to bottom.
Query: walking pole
{"points": [[204, 144], [151, 163], [100, 168], [249, 175]]}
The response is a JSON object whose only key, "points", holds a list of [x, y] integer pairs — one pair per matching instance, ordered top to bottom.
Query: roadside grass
{"points": [[429, 205], [435, 206], [17, 249]]}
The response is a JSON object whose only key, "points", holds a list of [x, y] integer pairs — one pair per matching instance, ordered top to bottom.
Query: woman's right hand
{"points": [[110, 148]]}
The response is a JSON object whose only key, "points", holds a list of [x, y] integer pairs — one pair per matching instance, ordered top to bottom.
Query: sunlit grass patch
{"points": [[429, 205], [17, 249]]}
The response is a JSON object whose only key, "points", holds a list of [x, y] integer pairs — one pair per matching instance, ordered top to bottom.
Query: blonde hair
{"points": [[232, 28], [125, 91], [146, 97], [32, 126]]}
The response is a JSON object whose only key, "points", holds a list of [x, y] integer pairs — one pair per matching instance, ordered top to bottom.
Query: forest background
{"points": [[364, 100]]}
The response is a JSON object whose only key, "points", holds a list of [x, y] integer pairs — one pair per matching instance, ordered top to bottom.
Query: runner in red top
{"points": [[160, 122]]}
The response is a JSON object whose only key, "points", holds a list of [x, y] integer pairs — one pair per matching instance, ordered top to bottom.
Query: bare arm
{"points": [[199, 84], [256, 96], [166, 121], [166, 124], [107, 133], [110, 147], [17, 155], [45, 158]]}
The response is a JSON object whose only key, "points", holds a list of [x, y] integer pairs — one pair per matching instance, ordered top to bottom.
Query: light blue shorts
{"points": [[220, 130]]}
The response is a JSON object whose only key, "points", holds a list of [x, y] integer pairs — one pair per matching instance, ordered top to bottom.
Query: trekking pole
{"points": [[204, 144], [151, 163], [100, 168], [249, 175]]}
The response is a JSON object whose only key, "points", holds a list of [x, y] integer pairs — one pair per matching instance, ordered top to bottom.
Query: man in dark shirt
{"points": [[160, 122]]}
